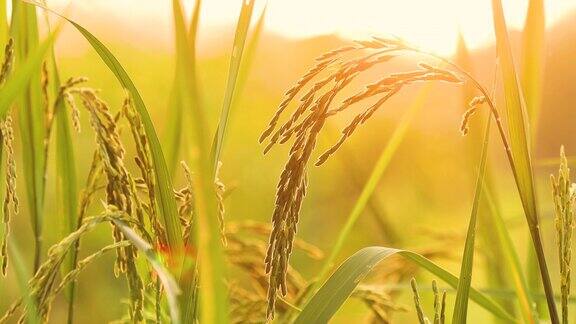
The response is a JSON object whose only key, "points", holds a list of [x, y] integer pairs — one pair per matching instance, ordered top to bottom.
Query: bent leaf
{"points": [[342, 283]]}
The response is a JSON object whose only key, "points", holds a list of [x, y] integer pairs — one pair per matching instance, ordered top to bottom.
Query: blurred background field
{"points": [[424, 198]]}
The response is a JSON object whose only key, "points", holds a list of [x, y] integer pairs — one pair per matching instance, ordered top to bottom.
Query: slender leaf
{"points": [[237, 49], [533, 50], [249, 55], [184, 97], [31, 119], [520, 149], [342, 283], [463, 291]]}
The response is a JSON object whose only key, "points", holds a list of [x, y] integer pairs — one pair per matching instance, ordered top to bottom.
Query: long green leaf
{"points": [[533, 49], [249, 55], [235, 60], [184, 102], [31, 112], [520, 148], [165, 197], [499, 247], [342, 283], [463, 291]]}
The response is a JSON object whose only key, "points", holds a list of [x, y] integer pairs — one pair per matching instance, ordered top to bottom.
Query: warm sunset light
{"points": [[433, 25], [287, 161]]}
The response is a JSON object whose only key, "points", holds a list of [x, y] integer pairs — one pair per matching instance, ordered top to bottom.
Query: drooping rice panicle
{"points": [[8, 61], [473, 106], [307, 121], [144, 163], [120, 188], [220, 191], [564, 196], [10, 197], [185, 199], [43, 282]]}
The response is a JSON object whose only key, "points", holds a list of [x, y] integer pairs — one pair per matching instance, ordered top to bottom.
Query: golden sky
{"points": [[431, 24]]}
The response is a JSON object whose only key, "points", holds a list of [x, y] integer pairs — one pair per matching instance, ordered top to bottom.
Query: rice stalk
{"points": [[564, 195]]}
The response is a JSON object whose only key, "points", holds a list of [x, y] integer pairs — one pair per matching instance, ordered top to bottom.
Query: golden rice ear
{"points": [[8, 61], [334, 72], [474, 104], [220, 189], [10, 197], [564, 198]]}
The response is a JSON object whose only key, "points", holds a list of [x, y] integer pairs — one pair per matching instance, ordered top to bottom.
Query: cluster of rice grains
{"points": [[333, 72], [7, 138], [564, 195], [127, 198]]}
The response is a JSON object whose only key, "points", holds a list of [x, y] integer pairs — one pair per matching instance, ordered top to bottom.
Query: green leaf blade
{"points": [[341, 284]]}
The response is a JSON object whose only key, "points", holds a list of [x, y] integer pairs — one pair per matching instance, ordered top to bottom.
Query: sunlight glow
{"points": [[433, 25]]}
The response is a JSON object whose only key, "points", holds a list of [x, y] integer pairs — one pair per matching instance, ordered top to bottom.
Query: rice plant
{"points": [[154, 203]]}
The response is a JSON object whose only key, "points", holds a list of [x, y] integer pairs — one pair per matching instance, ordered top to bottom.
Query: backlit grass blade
{"points": [[533, 50], [249, 54], [235, 60], [533, 60], [184, 103], [31, 118], [520, 149], [499, 247], [169, 284], [463, 291], [324, 304]]}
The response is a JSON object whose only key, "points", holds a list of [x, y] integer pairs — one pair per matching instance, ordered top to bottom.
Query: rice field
{"points": [[275, 180]]}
